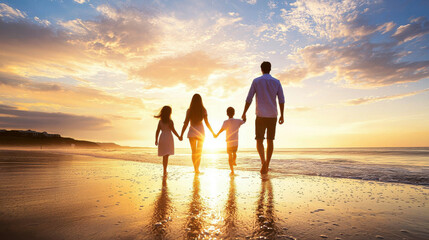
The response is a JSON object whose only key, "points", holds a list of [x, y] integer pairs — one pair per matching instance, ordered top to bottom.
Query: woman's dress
{"points": [[196, 130], [166, 142]]}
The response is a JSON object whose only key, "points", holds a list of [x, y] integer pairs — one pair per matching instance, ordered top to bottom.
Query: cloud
{"points": [[81, 1], [251, 2], [8, 12], [331, 19], [43, 22], [417, 28], [117, 31], [37, 49], [360, 64], [192, 69], [59, 93], [367, 100], [298, 108], [12, 117]]}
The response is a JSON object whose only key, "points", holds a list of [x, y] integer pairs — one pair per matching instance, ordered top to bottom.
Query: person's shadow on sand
{"points": [[161, 212], [265, 214]]}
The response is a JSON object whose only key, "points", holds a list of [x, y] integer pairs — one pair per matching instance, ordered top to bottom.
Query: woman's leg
{"points": [[193, 143], [199, 152], [165, 163]]}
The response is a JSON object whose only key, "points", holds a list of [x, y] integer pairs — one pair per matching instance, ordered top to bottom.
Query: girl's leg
{"points": [[193, 143], [199, 153], [165, 163]]}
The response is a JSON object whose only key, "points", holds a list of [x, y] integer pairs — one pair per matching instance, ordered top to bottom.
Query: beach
{"points": [[53, 195]]}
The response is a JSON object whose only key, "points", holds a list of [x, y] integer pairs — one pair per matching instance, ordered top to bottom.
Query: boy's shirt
{"points": [[231, 126]]}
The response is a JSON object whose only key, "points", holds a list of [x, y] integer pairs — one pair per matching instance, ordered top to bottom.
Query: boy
{"points": [[231, 126]]}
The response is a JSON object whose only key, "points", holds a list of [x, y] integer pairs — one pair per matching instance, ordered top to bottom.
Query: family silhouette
{"points": [[267, 90]]}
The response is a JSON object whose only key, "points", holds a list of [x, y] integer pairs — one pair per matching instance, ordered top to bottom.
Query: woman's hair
{"points": [[196, 109], [164, 114]]}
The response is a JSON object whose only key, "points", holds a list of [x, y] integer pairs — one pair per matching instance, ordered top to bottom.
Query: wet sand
{"points": [[53, 196]]}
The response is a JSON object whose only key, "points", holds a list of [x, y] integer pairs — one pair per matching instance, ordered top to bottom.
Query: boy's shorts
{"points": [[232, 149]]}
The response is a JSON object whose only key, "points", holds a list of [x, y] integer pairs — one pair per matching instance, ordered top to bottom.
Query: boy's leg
{"points": [[234, 157], [230, 161], [165, 163]]}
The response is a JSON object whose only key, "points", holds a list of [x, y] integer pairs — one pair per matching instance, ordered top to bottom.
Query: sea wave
{"points": [[412, 167]]}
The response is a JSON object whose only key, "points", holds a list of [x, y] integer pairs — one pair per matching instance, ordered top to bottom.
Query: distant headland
{"points": [[29, 138]]}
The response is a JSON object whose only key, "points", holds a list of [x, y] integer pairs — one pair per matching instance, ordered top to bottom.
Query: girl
{"points": [[196, 114], [166, 142]]}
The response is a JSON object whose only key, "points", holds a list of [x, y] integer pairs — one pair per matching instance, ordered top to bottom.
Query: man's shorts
{"points": [[262, 124], [232, 149]]}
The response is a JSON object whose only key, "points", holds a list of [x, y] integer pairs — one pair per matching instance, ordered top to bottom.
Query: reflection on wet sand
{"points": [[231, 211], [161, 212], [194, 223], [265, 227]]}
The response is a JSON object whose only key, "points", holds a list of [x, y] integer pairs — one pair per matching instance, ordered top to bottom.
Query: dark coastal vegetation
{"points": [[29, 138]]}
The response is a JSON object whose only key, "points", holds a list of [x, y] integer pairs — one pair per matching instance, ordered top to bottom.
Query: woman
{"points": [[196, 114]]}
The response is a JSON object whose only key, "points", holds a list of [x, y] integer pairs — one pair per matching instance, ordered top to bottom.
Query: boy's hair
{"points": [[266, 67], [230, 112]]}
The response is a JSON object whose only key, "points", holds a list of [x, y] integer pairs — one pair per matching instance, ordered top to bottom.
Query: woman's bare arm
{"points": [[185, 124], [208, 125]]}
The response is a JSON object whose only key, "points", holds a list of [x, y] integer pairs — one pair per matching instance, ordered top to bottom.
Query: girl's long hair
{"points": [[196, 109], [164, 114]]}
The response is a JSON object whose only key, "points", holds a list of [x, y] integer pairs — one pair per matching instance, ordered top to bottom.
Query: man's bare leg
{"points": [[270, 148], [261, 151]]}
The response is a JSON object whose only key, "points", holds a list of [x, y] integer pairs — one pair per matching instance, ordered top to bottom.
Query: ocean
{"points": [[402, 165]]}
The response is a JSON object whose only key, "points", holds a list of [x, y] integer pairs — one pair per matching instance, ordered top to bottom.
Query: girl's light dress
{"points": [[166, 142]]}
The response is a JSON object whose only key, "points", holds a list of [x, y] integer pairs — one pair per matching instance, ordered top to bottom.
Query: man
{"points": [[266, 89]]}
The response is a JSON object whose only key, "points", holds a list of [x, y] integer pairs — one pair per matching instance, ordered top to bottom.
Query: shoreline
{"points": [[208, 157], [51, 196]]}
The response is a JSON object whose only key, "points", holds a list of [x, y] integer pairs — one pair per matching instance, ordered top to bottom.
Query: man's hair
{"points": [[266, 67], [230, 112]]}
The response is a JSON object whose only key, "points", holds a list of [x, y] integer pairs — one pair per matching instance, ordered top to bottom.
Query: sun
{"points": [[214, 144]]}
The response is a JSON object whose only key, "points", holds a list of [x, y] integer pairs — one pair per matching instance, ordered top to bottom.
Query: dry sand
{"points": [[51, 196]]}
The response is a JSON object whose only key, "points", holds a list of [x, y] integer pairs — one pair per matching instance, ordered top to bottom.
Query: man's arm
{"points": [[281, 98], [246, 107], [282, 108]]}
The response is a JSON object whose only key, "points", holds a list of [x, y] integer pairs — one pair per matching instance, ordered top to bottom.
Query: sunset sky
{"points": [[355, 73]]}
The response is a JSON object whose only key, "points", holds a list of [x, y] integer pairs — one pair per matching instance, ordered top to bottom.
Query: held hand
{"points": [[243, 117], [281, 120], [180, 138]]}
